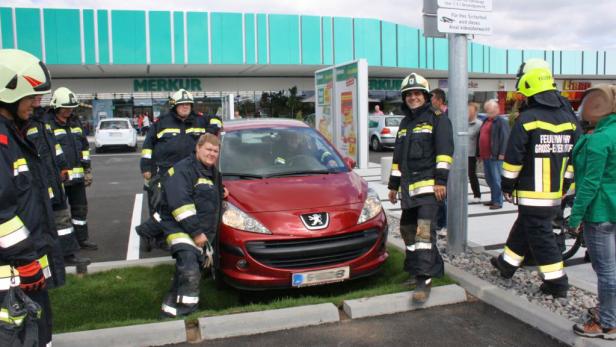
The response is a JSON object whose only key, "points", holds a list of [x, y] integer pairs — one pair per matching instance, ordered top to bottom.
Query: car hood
{"points": [[297, 193]]}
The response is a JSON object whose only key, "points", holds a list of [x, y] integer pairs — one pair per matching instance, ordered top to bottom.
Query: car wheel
{"points": [[375, 144], [98, 150]]}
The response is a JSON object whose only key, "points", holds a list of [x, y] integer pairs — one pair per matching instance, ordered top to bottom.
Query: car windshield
{"points": [[393, 121], [113, 124], [277, 152]]}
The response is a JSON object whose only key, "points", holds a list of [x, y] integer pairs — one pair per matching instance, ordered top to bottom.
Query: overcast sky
{"points": [[530, 24]]}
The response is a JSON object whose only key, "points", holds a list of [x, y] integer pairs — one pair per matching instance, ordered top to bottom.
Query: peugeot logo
{"points": [[315, 221]]}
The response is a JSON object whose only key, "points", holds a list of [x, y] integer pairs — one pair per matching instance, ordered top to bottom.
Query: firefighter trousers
{"points": [[79, 209], [418, 230], [66, 231], [533, 234], [183, 297]]}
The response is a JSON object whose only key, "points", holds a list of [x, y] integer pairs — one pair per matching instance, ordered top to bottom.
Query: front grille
{"points": [[313, 252]]}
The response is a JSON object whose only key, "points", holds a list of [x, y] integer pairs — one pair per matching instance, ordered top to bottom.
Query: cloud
{"points": [[527, 24]]}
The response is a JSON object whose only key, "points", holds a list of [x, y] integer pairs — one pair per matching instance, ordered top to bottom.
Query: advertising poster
{"points": [[324, 81], [346, 92]]}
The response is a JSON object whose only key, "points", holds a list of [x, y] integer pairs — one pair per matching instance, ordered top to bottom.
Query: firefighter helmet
{"points": [[21, 75], [534, 77], [414, 82], [182, 96], [64, 98]]}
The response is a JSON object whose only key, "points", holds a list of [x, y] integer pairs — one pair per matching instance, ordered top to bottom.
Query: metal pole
{"points": [[457, 190]]}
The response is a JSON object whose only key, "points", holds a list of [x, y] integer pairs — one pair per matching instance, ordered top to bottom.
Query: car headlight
{"points": [[372, 207], [238, 219]]}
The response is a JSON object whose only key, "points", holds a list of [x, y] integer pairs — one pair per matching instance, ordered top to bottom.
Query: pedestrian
{"points": [[439, 101], [377, 110], [140, 123], [146, 124], [474, 125], [69, 133], [493, 136], [168, 141], [421, 163], [594, 163], [56, 169], [537, 172], [190, 210], [26, 218]]}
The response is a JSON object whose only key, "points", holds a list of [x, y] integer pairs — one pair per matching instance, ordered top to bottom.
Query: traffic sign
{"points": [[469, 5], [464, 22]]}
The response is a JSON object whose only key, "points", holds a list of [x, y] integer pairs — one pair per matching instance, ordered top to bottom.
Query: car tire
{"points": [[375, 144], [133, 148], [98, 150]]}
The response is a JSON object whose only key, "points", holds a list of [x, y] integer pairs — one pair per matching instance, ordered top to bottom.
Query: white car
{"points": [[382, 131], [115, 133]]}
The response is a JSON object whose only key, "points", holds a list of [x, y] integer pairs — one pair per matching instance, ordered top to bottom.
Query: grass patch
{"points": [[133, 295]]}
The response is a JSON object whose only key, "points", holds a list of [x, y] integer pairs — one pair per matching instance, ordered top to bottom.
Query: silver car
{"points": [[382, 131]]}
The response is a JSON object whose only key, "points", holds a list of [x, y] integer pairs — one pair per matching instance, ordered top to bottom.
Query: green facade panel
{"points": [[6, 26], [29, 30], [249, 34], [62, 36], [103, 36], [367, 36], [88, 37], [128, 37], [160, 37], [178, 38], [262, 39], [284, 39], [311, 40], [328, 40], [343, 40], [197, 41], [227, 47], [408, 47], [389, 52], [423, 52], [430, 53], [530, 53], [441, 54], [498, 60], [514, 60], [476, 62], [571, 62], [590, 63], [601, 64], [556, 65]]}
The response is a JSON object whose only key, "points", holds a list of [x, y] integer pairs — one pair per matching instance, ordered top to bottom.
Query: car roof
{"points": [[114, 119], [240, 124]]}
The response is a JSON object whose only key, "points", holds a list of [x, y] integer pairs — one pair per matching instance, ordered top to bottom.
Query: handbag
{"points": [[18, 317]]}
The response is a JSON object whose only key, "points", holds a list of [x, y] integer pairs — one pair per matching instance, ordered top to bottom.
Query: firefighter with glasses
{"points": [[69, 133], [421, 163], [537, 172]]}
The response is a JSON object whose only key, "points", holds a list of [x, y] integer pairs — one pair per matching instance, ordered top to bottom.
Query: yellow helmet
{"points": [[21, 75], [534, 76], [414, 82], [182, 96], [63, 98]]}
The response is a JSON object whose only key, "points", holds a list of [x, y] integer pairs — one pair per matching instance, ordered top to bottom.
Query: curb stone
{"points": [[401, 302], [266, 321], [154, 334]]}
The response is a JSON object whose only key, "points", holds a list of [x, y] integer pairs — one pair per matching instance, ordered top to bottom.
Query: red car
{"points": [[296, 215]]}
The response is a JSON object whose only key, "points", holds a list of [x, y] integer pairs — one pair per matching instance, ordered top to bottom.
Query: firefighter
{"points": [[69, 133], [41, 135], [168, 141], [421, 163], [536, 174], [190, 213], [26, 219]]}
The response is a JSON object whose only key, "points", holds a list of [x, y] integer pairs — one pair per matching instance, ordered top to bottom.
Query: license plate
{"points": [[115, 134], [313, 278]]}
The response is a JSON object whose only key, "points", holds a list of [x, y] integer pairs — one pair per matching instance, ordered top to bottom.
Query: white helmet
{"points": [[21, 75], [182, 96], [64, 98]]}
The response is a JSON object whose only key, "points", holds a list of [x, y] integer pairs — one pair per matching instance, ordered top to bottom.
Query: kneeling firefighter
{"points": [[421, 162], [190, 212]]}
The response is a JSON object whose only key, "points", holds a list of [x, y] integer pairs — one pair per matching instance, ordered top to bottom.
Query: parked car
{"points": [[382, 131], [115, 133], [296, 215]]}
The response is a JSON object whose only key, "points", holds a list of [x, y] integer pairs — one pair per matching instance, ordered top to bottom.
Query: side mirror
{"points": [[350, 163]]}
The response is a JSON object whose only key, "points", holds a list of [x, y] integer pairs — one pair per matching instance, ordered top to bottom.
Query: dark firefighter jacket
{"points": [[74, 144], [422, 154], [538, 169], [191, 203]]}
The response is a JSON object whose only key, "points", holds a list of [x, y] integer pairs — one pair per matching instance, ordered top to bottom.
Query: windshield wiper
{"points": [[298, 173], [242, 175]]}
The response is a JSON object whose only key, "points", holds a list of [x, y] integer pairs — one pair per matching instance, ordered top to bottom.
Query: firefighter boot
{"points": [[506, 270], [557, 288], [422, 291]]}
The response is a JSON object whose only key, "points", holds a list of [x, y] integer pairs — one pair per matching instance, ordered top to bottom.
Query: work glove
{"points": [[87, 179], [208, 253], [31, 276]]}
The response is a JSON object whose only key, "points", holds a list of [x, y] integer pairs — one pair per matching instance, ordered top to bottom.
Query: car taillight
{"points": [[385, 131]]}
